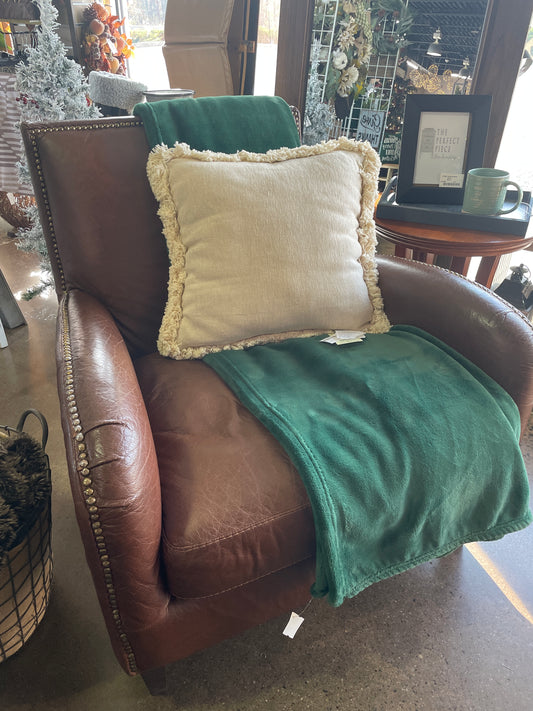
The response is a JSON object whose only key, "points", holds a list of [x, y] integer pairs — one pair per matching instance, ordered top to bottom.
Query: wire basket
{"points": [[26, 571]]}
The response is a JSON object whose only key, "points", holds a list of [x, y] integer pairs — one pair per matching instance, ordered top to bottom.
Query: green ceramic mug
{"points": [[485, 192]]}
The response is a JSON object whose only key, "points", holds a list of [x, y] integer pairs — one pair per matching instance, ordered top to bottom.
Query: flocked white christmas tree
{"points": [[51, 87]]}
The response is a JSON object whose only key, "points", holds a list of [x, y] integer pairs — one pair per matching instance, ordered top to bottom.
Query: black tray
{"points": [[514, 223]]}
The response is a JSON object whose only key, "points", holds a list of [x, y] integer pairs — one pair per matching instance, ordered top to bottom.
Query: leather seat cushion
{"points": [[234, 507]]}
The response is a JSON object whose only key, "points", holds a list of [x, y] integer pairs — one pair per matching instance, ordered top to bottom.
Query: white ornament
{"points": [[339, 59], [352, 75], [347, 80]]}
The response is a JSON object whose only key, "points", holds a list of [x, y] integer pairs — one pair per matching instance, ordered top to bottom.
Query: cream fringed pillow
{"points": [[266, 246]]}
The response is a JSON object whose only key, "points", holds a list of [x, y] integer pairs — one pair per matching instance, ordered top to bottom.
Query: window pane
{"points": [[145, 21], [516, 149]]}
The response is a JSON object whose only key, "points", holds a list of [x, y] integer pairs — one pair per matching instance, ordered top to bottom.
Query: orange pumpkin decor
{"points": [[105, 48]]}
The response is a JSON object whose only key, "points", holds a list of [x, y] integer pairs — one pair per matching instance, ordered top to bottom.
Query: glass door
{"points": [[144, 24], [267, 48], [516, 149]]}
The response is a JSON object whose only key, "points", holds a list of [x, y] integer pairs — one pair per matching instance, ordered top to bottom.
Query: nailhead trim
{"points": [[82, 464], [82, 467]]}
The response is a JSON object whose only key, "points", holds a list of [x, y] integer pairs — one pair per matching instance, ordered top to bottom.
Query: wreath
{"points": [[403, 20], [358, 35], [352, 47]]}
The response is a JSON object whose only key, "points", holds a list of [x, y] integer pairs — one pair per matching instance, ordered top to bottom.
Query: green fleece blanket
{"points": [[221, 123], [407, 450]]}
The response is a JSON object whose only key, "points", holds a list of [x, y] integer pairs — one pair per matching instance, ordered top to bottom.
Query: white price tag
{"points": [[451, 180], [348, 335], [343, 337], [293, 625]]}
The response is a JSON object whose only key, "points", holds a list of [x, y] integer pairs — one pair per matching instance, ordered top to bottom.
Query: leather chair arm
{"points": [[468, 317], [113, 468]]}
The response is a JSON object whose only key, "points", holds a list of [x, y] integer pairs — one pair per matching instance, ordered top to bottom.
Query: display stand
{"points": [[512, 223]]}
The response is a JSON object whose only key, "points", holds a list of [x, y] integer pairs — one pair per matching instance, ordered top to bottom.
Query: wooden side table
{"points": [[423, 242]]}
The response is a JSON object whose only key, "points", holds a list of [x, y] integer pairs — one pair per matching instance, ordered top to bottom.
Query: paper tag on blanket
{"points": [[343, 337], [293, 625]]}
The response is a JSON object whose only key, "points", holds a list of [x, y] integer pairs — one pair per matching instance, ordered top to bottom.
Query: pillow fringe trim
{"points": [[158, 176]]}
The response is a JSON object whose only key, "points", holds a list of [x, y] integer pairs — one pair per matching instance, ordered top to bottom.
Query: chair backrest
{"points": [[97, 209], [99, 218]]}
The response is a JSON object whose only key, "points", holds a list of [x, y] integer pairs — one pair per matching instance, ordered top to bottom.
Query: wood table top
{"points": [[450, 240]]}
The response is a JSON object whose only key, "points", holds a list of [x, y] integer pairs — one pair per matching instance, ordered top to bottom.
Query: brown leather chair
{"points": [[196, 525]]}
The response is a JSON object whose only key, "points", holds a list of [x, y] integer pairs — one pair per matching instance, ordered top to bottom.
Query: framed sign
{"points": [[370, 126], [443, 138], [390, 148]]}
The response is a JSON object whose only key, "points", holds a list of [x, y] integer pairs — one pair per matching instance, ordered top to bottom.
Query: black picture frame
{"points": [[454, 123]]}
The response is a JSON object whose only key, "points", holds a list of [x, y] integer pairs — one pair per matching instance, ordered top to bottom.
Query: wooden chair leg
{"points": [[156, 681]]}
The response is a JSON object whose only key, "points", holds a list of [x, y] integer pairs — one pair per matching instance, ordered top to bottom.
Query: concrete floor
{"points": [[443, 636]]}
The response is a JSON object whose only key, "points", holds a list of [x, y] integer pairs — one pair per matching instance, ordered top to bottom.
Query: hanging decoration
{"points": [[403, 18], [357, 34], [360, 41], [105, 47], [352, 47], [431, 81]]}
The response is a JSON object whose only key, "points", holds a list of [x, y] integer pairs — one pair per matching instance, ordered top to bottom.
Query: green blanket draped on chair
{"points": [[221, 123], [407, 450]]}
